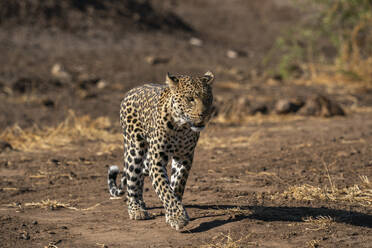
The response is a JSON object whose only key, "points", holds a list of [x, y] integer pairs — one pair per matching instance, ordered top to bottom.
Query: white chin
{"points": [[197, 129]]}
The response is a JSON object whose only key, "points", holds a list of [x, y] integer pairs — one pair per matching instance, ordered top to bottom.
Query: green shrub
{"points": [[339, 32]]}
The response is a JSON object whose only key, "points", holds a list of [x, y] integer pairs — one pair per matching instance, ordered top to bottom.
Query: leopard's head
{"points": [[191, 99]]}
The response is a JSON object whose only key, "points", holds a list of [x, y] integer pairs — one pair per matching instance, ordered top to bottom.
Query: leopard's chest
{"points": [[179, 142]]}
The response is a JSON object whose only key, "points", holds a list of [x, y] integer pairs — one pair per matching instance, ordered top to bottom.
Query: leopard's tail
{"points": [[114, 190]]}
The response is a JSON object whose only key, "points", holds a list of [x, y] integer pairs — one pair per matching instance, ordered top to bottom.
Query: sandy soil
{"points": [[263, 180]]}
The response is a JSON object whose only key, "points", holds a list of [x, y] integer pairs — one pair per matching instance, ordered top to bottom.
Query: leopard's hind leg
{"points": [[135, 151]]}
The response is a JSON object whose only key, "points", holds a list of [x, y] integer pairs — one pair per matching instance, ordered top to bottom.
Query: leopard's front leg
{"points": [[181, 166], [175, 213]]}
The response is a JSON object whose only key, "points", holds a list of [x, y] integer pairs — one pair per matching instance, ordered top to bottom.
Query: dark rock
{"points": [[278, 77], [86, 83], [22, 85], [27, 85], [48, 103], [286, 106], [321, 106], [260, 108], [5, 146], [55, 161]]}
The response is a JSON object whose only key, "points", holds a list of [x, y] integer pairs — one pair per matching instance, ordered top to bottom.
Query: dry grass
{"points": [[339, 80], [26, 98], [238, 117], [73, 129], [209, 142], [357, 194], [47, 204], [51, 205], [319, 223], [226, 241], [313, 243], [53, 244]]}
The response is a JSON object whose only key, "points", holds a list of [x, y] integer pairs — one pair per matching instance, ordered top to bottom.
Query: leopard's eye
{"points": [[190, 99]]}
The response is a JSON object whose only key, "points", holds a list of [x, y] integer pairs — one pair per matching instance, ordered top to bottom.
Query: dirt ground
{"points": [[259, 178]]}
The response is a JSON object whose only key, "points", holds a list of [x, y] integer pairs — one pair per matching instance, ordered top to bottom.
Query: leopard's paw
{"points": [[137, 211], [139, 214], [178, 219]]}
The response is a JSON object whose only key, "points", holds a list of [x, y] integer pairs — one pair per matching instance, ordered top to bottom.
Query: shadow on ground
{"points": [[269, 214]]}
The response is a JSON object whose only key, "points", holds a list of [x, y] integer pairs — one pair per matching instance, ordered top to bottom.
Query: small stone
{"points": [[196, 42], [233, 54], [152, 60], [59, 72], [101, 84], [285, 106], [35, 222]]}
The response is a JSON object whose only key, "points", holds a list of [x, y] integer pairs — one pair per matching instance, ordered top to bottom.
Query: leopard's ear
{"points": [[208, 78], [171, 80]]}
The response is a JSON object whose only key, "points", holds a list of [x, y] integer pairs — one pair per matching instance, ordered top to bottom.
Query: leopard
{"points": [[161, 124]]}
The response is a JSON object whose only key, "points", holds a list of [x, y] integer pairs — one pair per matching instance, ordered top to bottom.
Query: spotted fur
{"points": [[161, 123]]}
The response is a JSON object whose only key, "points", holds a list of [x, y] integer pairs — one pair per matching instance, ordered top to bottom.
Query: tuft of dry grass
{"points": [[72, 129], [209, 142], [357, 194], [47, 204], [51, 205], [319, 222], [226, 241], [313, 243], [53, 244]]}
